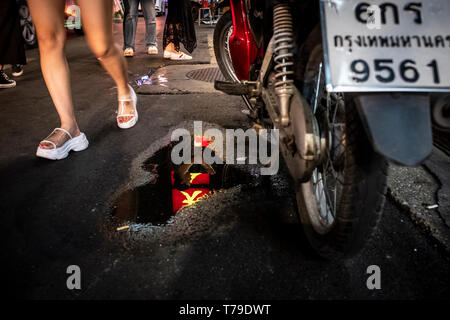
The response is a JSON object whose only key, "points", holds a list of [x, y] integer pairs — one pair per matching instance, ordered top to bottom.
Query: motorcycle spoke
{"points": [[328, 182]]}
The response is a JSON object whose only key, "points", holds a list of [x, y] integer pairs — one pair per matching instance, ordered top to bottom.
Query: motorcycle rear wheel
{"points": [[342, 203]]}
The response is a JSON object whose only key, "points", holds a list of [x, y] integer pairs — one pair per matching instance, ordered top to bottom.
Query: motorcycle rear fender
{"points": [[242, 45], [398, 125]]}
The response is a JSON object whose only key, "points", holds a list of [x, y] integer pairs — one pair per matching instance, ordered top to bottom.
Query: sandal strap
{"points": [[121, 105], [120, 114], [56, 129], [63, 130], [48, 141]]}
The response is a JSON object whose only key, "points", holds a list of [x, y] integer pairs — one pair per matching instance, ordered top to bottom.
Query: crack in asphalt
{"points": [[436, 193]]}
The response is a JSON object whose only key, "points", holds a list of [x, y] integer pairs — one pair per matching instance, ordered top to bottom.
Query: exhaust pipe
{"points": [[440, 110]]}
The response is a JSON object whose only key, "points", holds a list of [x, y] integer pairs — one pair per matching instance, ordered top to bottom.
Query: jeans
{"points": [[131, 19]]}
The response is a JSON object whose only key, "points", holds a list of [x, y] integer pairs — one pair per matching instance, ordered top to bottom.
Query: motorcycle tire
{"points": [[221, 33], [361, 180]]}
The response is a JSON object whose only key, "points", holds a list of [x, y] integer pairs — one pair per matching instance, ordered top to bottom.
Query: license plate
{"points": [[382, 45]]}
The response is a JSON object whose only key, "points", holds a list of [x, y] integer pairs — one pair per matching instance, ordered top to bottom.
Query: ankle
{"points": [[124, 93], [72, 127]]}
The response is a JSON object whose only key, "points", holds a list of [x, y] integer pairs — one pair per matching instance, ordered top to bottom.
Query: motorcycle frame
{"points": [[243, 48]]}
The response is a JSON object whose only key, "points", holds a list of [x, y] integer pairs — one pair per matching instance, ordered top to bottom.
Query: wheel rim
{"points": [[323, 192]]}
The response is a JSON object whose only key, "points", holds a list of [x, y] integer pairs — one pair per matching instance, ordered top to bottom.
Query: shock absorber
{"points": [[283, 36]]}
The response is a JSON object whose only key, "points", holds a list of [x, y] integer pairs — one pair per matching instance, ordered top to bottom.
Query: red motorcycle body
{"points": [[243, 48]]}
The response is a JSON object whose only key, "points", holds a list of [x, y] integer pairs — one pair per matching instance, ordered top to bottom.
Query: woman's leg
{"points": [[48, 18], [97, 23]]}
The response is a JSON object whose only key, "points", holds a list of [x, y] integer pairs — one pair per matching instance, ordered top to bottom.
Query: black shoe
{"points": [[17, 70], [5, 82]]}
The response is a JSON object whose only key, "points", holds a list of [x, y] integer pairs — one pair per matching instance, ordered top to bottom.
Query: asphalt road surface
{"points": [[235, 244]]}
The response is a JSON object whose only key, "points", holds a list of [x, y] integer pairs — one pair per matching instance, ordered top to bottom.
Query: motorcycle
{"points": [[350, 85]]}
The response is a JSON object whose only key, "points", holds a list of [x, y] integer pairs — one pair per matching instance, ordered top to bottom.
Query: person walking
{"points": [[48, 17], [130, 26], [179, 29], [12, 50]]}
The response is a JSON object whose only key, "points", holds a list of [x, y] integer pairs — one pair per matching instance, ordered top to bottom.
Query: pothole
{"points": [[171, 188], [155, 206]]}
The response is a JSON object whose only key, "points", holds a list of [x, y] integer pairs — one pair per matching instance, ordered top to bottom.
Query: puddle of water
{"points": [[159, 80], [173, 188], [150, 203]]}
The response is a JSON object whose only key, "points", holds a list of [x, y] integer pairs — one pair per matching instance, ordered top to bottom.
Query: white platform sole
{"points": [[78, 143]]}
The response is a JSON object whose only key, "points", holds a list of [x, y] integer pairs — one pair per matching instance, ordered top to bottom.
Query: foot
{"points": [[152, 50], [128, 52], [176, 55], [17, 70], [5, 82], [125, 107], [127, 113], [58, 137], [57, 147]]}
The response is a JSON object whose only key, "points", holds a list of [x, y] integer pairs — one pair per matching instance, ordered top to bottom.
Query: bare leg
{"points": [[48, 17], [97, 24]]}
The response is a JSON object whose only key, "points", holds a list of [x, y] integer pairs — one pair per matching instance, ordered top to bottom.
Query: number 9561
{"points": [[385, 73]]}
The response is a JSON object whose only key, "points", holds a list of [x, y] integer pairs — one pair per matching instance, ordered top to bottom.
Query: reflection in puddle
{"points": [[159, 80], [173, 188], [150, 203]]}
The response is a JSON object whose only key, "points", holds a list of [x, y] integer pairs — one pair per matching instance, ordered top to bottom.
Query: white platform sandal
{"points": [[134, 116], [79, 143]]}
